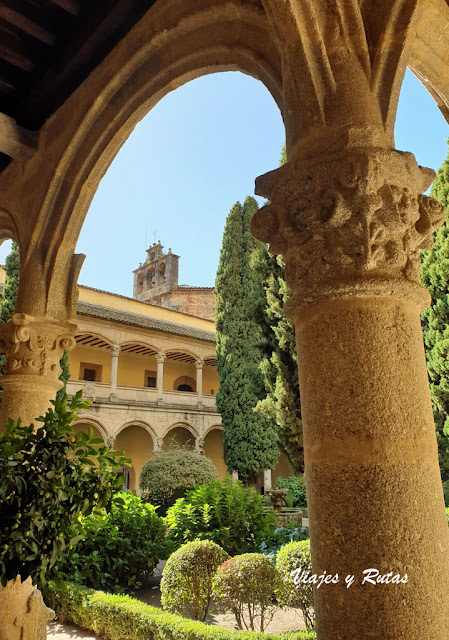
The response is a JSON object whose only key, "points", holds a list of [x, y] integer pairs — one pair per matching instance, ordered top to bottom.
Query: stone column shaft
{"points": [[349, 227], [115, 352], [160, 375], [199, 381], [267, 480]]}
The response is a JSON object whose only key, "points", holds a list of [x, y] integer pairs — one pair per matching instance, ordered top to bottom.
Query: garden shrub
{"points": [[169, 474], [49, 476], [296, 489], [225, 512], [447, 515], [273, 541], [120, 548], [187, 578], [246, 584], [292, 592], [123, 618]]}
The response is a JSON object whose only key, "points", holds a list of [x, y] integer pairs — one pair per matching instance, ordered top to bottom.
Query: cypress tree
{"points": [[8, 304], [435, 320], [280, 369], [250, 439]]}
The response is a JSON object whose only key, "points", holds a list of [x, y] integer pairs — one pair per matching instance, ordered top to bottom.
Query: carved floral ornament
{"points": [[348, 221], [34, 345]]}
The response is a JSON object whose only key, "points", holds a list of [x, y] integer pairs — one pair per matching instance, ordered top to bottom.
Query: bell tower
{"points": [[157, 275]]}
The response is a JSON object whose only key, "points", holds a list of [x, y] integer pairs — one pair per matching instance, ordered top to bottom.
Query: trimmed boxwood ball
{"points": [[169, 474], [295, 556], [186, 583], [246, 585]]}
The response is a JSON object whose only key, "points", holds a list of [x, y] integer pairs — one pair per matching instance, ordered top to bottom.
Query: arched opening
{"points": [[184, 383], [84, 426], [178, 436], [138, 445], [213, 449]]}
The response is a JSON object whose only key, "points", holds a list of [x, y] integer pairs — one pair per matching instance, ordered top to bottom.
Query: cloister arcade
{"points": [[348, 215]]}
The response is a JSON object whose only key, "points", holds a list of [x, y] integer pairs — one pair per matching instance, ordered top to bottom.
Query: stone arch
{"points": [[169, 49], [8, 229], [95, 334], [151, 348], [174, 352], [184, 381], [94, 422], [137, 423], [182, 432], [138, 440], [213, 449]]}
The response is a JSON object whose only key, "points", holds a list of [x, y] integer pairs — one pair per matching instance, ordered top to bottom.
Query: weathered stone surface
{"points": [[23, 614]]}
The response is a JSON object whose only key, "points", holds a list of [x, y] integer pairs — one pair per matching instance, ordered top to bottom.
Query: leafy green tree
{"points": [[435, 320], [280, 368], [250, 439]]}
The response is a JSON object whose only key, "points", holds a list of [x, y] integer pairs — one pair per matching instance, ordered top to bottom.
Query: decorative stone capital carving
{"points": [[349, 224], [34, 345], [115, 351], [160, 357], [199, 364], [159, 444], [23, 614]]}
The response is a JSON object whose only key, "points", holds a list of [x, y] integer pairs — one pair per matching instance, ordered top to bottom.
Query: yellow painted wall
{"points": [[2, 274], [112, 301], [93, 356], [131, 369], [173, 369], [211, 380], [137, 443], [213, 449]]}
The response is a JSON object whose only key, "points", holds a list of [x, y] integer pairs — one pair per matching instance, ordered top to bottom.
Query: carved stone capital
{"points": [[350, 224], [34, 345], [115, 351], [160, 357], [199, 364]]}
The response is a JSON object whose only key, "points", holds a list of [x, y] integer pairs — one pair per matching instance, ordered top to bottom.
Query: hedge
{"points": [[125, 618]]}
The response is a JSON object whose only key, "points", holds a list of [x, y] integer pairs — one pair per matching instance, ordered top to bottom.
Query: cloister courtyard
{"points": [[350, 215]]}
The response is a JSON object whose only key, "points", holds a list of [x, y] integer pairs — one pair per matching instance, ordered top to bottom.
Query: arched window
{"points": [[184, 387]]}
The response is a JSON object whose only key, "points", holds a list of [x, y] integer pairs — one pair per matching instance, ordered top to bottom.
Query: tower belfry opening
{"points": [[156, 282]]}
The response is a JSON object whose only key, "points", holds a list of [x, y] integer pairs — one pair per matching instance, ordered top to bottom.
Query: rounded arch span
{"points": [[168, 47], [429, 54], [8, 229], [84, 333], [140, 343], [175, 352], [94, 422], [137, 423], [183, 425], [214, 427]]}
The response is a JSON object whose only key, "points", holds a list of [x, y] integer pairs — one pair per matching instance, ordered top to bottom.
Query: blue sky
{"points": [[187, 162]]}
